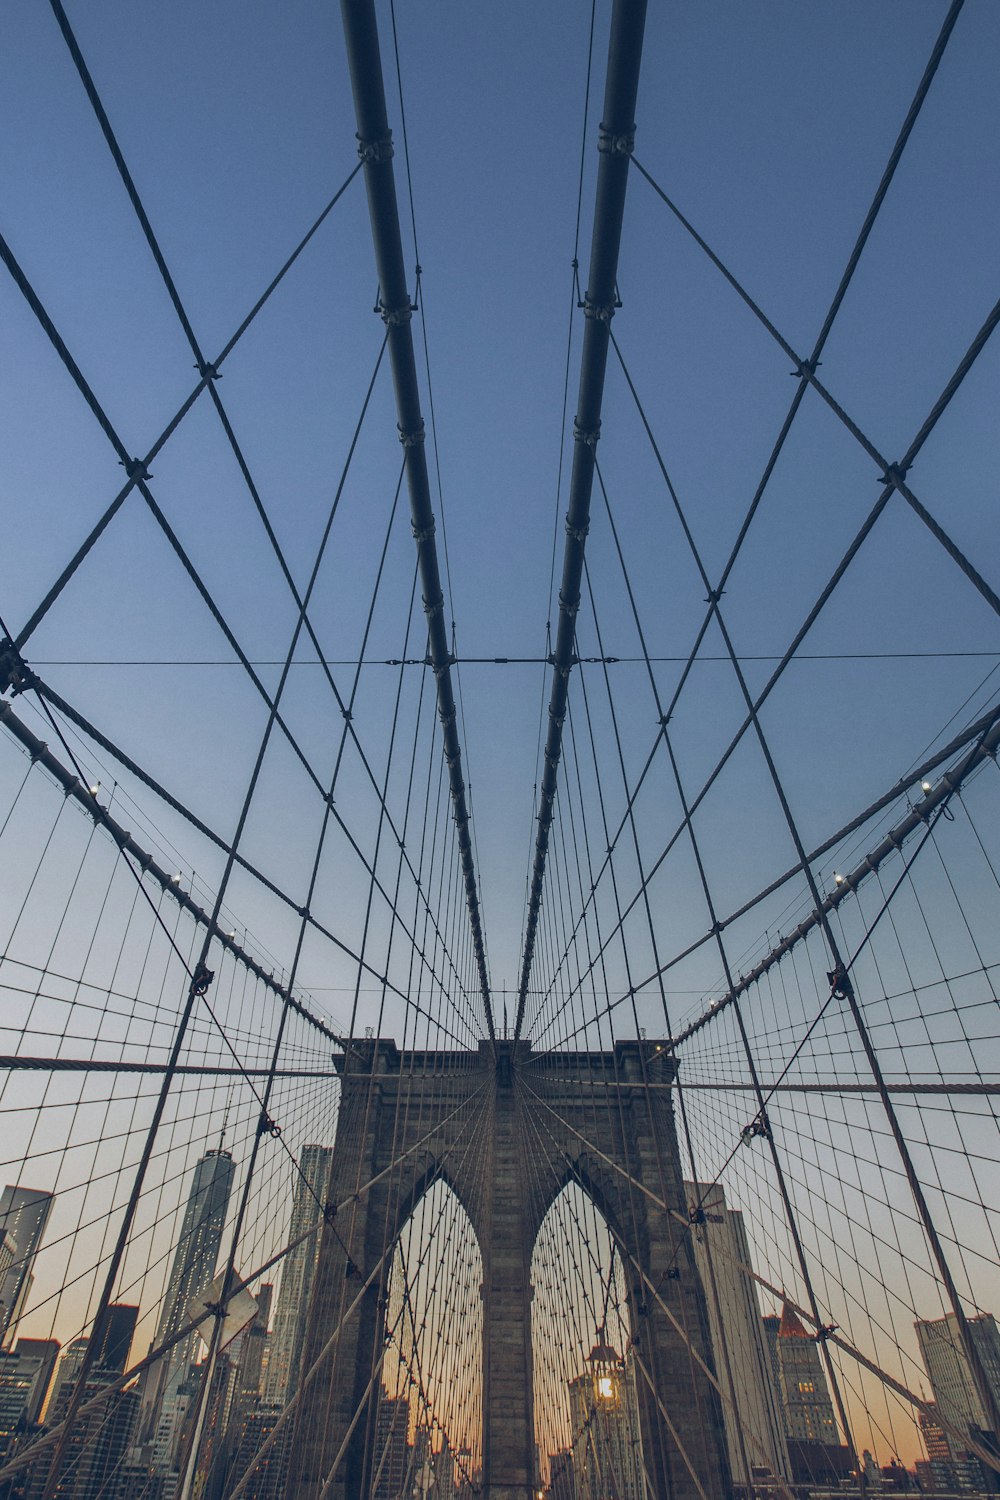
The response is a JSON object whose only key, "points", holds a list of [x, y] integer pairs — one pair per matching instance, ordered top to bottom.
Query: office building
{"points": [[24, 1213], [298, 1271], [25, 1374], [170, 1384], [956, 1393], [808, 1410], [755, 1435], [392, 1450]]}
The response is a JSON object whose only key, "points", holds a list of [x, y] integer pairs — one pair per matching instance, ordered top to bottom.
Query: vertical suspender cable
{"points": [[615, 142], [375, 150]]}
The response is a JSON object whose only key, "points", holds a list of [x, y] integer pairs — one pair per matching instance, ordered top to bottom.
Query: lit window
{"points": [[605, 1388]]}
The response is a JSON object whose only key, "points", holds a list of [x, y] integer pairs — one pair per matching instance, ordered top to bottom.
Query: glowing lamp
{"points": [[605, 1372]]}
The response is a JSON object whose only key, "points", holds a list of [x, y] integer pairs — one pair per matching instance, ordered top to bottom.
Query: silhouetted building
{"points": [[24, 1213], [297, 1274], [112, 1337], [46, 1351], [67, 1371], [24, 1381], [169, 1385], [956, 1394], [755, 1432], [392, 1449], [562, 1481]]}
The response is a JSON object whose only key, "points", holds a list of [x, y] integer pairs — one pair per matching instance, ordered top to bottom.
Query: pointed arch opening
{"points": [[586, 1407], [427, 1425]]}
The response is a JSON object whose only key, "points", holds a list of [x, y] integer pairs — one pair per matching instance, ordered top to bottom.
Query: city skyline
{"points": [[498, 748]]}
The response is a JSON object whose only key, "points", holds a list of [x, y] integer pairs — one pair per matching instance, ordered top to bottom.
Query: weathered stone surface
{"points": [[537, 1123]]}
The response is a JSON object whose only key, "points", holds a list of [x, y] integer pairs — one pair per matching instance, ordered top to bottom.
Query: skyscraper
{"points": [[24, 1213], [298, 1271], [955, 1390], [166, 1393], [805, 1395], [755, 1434]]}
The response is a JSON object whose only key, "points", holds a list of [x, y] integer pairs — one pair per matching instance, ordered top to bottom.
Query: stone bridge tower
{"points": [[592, 1119]]}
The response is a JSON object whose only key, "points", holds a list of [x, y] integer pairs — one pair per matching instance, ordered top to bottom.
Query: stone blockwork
{"points": [[507, 1133]]}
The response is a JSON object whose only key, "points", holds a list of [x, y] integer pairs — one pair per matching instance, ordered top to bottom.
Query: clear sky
{"points": [[769, 126]]}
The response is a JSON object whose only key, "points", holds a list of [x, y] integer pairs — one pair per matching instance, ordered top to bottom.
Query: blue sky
{"points": [[770, 127]]}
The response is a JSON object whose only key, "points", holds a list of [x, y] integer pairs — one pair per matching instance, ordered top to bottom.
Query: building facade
{"points": [[755, 1431]]}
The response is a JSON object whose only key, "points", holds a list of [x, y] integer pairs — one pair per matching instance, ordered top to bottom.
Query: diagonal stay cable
{"points": [[615, 143], [375, 149], [200, 362], [211, 372], [138, 472], [894, 474], [888, 489], [76, 788]]}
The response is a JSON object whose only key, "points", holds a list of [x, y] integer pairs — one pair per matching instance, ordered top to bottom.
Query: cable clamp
{"points": [[615, 142], [374, 152], [601, 312], [805, 368], [208, 371], [582, 435], [412, 439], [135, 469], [894, 475], [422, 533], [578, 533], [714, 595], [431, 606], [570, 607], [14, 675], [346, 715], [447, 717], [664, 720], [201, 979], [840, 984], [267, 1126], [759, 1126], [329, 1212], [696, 1214], [351, 1271], [672, 1273], [824, 1332]]}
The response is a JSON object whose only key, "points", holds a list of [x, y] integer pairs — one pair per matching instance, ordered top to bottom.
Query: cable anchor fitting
{"points": [[615, 142], [372, 153], [601, 312], [412, 439], [136, 470], [894, 474], [14, 674], [201, 979], [840, 983], [759, 1126], [824, 1332]]}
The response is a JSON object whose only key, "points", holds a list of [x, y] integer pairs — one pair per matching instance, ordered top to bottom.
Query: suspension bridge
{"points": [[499, 962]]}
